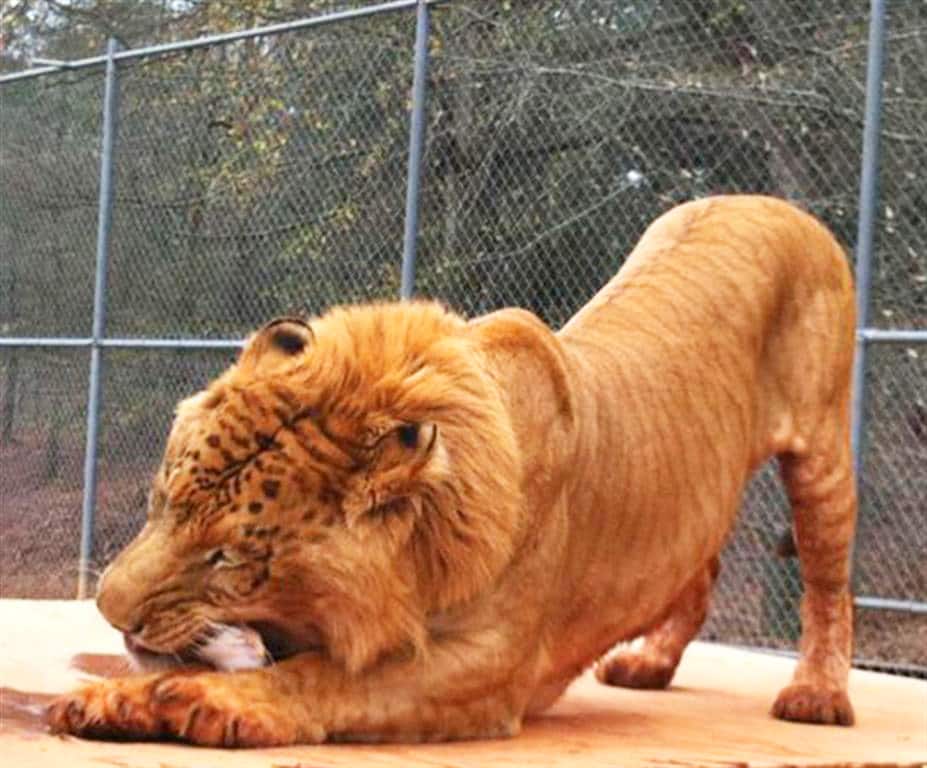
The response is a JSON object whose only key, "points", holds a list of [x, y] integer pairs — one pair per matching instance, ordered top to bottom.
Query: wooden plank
{"points": [[714, 715]]}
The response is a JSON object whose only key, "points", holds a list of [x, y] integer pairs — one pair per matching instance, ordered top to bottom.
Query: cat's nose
{"points": [[141, 568], [117, 606]]}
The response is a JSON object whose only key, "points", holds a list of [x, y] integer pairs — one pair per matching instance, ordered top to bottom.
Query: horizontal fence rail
{"points": [[208, 41], [869, 335], [123, 343]]}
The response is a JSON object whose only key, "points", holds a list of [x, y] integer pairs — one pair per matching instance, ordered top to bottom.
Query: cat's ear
{"points": [[275, 342]]}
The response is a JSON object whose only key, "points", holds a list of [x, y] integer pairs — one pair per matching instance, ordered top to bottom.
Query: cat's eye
{"points": [[408, 435], [393, 507], [217, 558]]}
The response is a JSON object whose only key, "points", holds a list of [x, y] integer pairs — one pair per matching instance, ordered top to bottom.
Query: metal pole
{"points": [[416, 143], [868, 203], [104, 222]]}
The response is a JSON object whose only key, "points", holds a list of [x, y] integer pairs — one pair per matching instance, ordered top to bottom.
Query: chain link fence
{"points": [[267, 173]]}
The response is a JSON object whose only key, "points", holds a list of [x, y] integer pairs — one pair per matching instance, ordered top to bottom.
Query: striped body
{"points": [[433, 525]]}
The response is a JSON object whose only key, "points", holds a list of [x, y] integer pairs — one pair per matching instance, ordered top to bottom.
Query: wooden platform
{"points": [[714, 715]]}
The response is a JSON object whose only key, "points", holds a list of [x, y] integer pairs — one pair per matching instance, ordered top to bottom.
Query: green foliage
{"points": [[268, 175]]}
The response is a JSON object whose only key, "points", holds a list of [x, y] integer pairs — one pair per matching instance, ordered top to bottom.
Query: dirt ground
{"points": [[40, 518], [715, 714]]}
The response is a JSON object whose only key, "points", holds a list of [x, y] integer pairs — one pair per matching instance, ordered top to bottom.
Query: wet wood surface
{"points": [[716, 714]]}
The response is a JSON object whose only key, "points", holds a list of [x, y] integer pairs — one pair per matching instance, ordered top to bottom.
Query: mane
{"points": [[371, 367]]}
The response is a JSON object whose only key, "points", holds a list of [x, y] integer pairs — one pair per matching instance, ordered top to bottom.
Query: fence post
{"points": [[416, 143], [868, 203], [104, 222]]}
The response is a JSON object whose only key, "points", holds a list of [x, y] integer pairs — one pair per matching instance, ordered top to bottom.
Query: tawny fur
{"points": [[449, 520]]}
